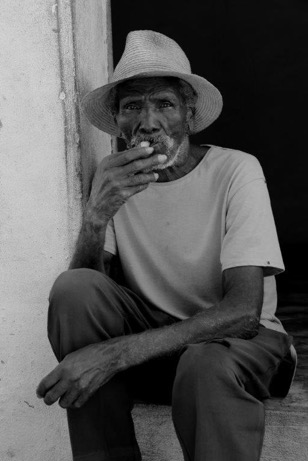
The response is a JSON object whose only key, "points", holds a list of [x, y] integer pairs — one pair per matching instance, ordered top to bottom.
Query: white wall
{"points": [[34, 230]]}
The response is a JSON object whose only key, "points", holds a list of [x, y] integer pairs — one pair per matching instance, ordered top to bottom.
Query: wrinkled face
{"points": [[152, 109]]}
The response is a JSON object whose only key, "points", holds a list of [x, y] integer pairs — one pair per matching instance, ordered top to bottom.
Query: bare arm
{"points": [[89, 251], [81, 373]]}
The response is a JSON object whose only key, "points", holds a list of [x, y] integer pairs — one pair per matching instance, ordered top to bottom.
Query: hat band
{"points": [[142, 68]]}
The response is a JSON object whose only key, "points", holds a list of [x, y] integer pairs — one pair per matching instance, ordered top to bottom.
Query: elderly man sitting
{"points": [[194, 320]]}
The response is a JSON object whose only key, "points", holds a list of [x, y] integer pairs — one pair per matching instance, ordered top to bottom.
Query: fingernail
{"points": [[144, 144], [149, 150], [162, 158], [156, 176]]}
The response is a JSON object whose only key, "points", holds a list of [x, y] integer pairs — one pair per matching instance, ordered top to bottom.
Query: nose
{"points": [[149, 122]]}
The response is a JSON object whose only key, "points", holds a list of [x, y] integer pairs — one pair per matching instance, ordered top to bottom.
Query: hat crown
{"points": [[149, 51]]}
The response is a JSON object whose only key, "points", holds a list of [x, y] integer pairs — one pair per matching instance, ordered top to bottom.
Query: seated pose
{"points": [[191, 318]]}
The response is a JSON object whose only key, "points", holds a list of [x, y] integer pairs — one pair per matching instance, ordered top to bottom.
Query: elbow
{"points": [[250, 313], [255, 314], [250, 325], [253, 326]]}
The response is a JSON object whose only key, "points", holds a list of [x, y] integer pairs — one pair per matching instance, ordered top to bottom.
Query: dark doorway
{"points": [[256, 53]]}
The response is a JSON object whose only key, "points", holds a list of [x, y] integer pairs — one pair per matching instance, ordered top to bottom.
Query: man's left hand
{"points": [[80, 374]]}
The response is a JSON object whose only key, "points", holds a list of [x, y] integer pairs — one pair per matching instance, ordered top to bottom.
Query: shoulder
{"points": [[233, 158], [234, 165]]}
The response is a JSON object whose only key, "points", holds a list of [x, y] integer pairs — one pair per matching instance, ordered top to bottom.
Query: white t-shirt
{"points": [[176, 238]]}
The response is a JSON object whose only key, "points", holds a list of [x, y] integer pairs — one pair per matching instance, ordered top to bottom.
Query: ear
{"points": [[189, 120], [119, 133]]}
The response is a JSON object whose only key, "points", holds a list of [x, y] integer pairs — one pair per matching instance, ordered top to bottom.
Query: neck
{"points": [[190, 159]]}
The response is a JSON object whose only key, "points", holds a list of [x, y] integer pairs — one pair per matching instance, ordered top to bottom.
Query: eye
{"points": [[165, 104], [131, 106]]}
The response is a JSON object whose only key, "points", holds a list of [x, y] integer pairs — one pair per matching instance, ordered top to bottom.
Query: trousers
{"points": [[216, 388]]}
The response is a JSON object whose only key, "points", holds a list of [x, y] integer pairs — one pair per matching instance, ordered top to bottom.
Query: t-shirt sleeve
{"points": [[250, 233], [110, 238]]}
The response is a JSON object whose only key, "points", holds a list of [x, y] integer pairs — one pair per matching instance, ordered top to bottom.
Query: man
{"points": [[193, 229]]}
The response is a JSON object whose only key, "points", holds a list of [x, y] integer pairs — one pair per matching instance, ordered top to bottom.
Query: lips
{"points": [[153, 141]]}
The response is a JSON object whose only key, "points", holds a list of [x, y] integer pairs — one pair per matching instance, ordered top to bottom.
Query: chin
{"points": [[176, 156], [170, 162]]}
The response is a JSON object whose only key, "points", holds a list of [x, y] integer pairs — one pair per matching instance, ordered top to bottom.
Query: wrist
{"points": [[93, 222], [116, 351]]}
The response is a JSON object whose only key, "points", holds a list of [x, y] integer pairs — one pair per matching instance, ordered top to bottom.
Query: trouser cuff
{"points": [[118, 454]]}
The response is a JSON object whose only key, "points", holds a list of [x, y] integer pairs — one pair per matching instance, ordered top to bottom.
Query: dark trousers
{"points": [[216, 388]]}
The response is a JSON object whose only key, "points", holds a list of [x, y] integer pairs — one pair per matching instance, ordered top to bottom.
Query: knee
{"points": [[74, 282], [72, 289], [82, 297], [208, 364]]}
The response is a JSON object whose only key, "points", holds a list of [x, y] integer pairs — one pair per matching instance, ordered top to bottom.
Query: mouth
{"points": [[151, 140]]}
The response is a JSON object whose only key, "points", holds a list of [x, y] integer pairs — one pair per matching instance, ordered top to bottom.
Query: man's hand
{"points": [[118, 177], [80, 374]]}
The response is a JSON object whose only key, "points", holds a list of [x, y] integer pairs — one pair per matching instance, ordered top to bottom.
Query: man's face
{"points": [[152, 109]]}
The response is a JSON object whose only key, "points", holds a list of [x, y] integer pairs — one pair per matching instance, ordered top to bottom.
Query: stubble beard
{"points": [[163, 144]]}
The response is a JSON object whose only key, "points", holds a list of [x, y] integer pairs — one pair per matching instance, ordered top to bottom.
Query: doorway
{"points": [[255, 53]]}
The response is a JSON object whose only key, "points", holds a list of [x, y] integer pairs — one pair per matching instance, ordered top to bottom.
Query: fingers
{"points": [[128, 156], [137, 159], [127, 163], [143, 164], [138, 179], [123, 188], [129, 192], [47, 383], [95, 383], [61, 389], [55, 392], [69, 398], [81, 400]]}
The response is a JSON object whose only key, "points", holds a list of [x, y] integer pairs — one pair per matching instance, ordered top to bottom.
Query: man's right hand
{"points": [[118, 177]]}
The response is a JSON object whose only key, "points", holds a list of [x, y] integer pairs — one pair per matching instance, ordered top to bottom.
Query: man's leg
{"points": [[88, 307], [217, 397]]}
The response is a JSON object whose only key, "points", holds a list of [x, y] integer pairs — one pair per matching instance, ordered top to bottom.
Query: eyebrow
{"points": [[160, 96]]}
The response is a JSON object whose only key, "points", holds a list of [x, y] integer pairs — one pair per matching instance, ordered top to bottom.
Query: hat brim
{"points": [[208, 106]]}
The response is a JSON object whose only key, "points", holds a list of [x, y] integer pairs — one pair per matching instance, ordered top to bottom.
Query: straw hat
{"points": [[151, 54]]}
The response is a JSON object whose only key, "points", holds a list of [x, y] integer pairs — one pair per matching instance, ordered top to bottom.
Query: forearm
{"points": [[90, 245], [214, 323]]}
